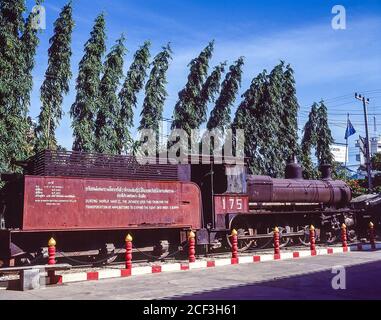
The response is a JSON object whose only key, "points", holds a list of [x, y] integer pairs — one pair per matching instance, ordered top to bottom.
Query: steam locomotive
{"points": [[89, 202]]}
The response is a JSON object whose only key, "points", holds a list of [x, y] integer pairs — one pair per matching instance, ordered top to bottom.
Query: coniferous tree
{"points": [[17, 50], [57, 77], [133, 84], [155, 92], [108, 102], [83, 111], [188, 112], [220, 116], [324, 139], [308, 142]]}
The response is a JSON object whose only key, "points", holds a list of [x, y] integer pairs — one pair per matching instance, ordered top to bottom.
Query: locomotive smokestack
{"points": [[294, 170], [326, 171]]}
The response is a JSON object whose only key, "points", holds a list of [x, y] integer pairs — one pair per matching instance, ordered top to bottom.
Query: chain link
{"points": [[159, 258], [86, 263]]}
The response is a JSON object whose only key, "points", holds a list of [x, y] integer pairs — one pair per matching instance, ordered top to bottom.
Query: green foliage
{"points": [[29, 41], [18, 43], [56, 83], [133, 84], [209, 91], [155, 92], [108, 102], [84, 108], [191, 108], [220, 116], [268, 116], [255, 117], [289, 129], [316, 134], [324, 137], [308, 142], [376, 162], [339, 172], [358, 187]]}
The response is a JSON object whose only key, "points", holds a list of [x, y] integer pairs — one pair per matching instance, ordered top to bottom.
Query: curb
{"points": [[366, 247], [180, 267]]}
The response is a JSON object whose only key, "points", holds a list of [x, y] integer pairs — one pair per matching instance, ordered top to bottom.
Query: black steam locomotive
{"points": [[88, 202]]}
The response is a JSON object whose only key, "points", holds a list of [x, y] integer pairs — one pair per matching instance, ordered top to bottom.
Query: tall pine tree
{"points": [[57, 77], [133, 84], [155, 92], [108, 102], [84, 109], [188, 112], [220, 116], [324, 139], [309, 141]]}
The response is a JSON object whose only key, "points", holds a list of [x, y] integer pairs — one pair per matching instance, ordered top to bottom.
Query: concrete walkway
{"points": [[308, 278]]}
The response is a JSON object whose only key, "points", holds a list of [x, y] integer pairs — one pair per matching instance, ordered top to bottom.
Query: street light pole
{"points": [[367, 141]]}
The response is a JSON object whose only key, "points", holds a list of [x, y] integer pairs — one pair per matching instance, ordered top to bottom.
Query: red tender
{"points": [[52, 203]]}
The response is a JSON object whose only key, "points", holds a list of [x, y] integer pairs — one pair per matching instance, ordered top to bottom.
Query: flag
{"points": [[350, 130]]}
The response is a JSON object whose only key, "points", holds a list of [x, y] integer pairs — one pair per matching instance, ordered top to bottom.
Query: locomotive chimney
{"points": [[294, 170], [326, 172]]}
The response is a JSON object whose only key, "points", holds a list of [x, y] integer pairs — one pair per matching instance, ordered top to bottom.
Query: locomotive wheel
{"points": [[243, 229], [352, 235], [331, 237], [305, 239], [284, 241], [269, 243]]}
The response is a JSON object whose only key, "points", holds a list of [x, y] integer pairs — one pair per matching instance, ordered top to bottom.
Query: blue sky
{"points": [[329, 64]]}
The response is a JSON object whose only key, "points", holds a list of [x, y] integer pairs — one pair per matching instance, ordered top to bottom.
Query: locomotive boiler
{"points": [[294, 189], [89, 202]]}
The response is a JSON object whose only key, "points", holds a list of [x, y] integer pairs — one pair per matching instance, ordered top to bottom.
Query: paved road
{"points": [[308, 278]]}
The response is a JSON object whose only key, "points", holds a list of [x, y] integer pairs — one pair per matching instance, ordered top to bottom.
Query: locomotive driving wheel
{"points": [[244, 229], [305, 238], [268, 242]]}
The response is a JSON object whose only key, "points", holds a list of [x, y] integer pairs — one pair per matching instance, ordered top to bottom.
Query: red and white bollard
{"points": [[372, 236], [344, 237], [313, 240], [234, 241], [276, 242], [192, 247], [52, 251], [129, 252]]}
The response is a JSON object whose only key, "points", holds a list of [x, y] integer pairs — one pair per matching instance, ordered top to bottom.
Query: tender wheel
{"points": [[161, 249]]}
